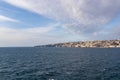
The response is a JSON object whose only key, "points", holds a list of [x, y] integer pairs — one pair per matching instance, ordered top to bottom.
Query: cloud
{"points": [[83, 16], [4, 18], [113, 32], [31, 36], [16, 37]]}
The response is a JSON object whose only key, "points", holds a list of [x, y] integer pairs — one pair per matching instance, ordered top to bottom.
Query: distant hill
{"points": [[88, 44]]}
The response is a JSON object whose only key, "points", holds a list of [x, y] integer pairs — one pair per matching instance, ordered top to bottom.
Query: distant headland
{"points": [[87, 44]]}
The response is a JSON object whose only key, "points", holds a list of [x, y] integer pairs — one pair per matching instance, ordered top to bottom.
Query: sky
{"points": [[39, 22]]}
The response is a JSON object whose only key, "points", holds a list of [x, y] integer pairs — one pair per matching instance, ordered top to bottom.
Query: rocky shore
{"points": [[88, 44]]}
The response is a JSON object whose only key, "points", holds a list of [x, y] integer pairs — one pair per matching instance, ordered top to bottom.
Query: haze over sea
{"points": [[59, 63]]}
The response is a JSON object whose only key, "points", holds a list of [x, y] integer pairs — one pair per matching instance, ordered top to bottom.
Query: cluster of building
{"points": [[91, 44]]}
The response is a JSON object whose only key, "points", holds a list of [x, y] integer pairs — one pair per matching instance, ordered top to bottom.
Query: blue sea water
{"points": [[59, 63]]}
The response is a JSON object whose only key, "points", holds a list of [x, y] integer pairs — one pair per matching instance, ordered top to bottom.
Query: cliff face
{"points": [[85, 44]]}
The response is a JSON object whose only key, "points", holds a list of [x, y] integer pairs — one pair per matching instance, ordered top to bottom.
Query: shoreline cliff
{"points": [[87, 44]]}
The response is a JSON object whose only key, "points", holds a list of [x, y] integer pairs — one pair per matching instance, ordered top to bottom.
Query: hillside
{"points": [[87, 44]]}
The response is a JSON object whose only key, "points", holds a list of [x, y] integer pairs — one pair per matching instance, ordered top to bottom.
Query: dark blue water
{"points": [[59, 64]]}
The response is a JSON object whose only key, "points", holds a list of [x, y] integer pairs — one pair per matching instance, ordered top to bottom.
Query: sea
{"points": [[35, 63]]}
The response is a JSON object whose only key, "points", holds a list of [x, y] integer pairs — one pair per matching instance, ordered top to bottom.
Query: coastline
{"points": [[87, 44]]}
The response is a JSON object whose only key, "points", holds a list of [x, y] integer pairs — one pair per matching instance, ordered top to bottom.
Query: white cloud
{"points": [[83, 16], [4, 18], [31, 36], [15, 37]]}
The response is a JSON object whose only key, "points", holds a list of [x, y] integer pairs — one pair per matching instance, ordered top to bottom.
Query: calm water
{"points": [[59, 64]]}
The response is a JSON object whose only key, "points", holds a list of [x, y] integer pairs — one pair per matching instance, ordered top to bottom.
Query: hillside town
{"points": [[88, 44]]}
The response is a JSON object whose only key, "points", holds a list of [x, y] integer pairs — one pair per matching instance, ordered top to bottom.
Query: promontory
{"points": [[87, 44]]}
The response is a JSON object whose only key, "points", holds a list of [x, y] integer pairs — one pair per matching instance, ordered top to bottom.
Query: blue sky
{"points": [[35, 22]]}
